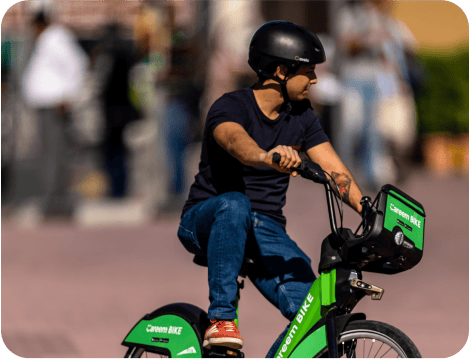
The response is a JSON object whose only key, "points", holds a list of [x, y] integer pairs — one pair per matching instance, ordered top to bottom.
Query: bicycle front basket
{"points": [[399, 246]]}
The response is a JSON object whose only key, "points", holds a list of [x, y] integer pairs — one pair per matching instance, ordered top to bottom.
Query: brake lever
{"points": [[303, 170], [306, 172], [366, 206], [367, 211]]}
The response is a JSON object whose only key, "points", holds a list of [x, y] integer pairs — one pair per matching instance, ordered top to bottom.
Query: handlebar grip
{"points": [[276, 158]]}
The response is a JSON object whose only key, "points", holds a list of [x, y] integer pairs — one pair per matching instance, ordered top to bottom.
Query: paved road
{"points": [[75, 292]]}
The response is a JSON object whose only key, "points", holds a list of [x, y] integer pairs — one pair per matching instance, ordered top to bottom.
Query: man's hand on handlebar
{"points": [[289, 158]]}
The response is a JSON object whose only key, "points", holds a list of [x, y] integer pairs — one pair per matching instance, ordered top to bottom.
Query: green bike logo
{"points": [[412, 219], [304, 309], [299, 318], [157, 329], [191, 350]]}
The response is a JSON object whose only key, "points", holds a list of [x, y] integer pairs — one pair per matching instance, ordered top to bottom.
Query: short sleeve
{"points": [[226, 109], [314, 133]]}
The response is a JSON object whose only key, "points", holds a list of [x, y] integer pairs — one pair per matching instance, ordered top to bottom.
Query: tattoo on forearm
{"points": [[343, 182]]}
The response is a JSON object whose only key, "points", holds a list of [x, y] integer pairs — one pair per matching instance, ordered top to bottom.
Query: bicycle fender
{"points": [[342, 321], [175, 330]]}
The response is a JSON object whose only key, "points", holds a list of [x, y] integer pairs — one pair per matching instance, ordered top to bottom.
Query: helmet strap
{"points": [[283, 86]]}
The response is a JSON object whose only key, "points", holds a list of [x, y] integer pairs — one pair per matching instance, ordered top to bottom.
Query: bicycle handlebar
{"points": [[303, 170], [306, 172], [309, 173]]}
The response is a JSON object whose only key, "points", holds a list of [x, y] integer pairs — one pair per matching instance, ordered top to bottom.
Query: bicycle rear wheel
{"points": [[372, 339]]}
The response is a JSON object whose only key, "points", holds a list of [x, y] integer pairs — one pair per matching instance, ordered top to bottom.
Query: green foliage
{"points": [[6, 55], [443, 104]]}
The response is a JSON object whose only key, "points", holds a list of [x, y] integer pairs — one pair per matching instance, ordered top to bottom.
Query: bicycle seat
{"points": [[245, 267]]}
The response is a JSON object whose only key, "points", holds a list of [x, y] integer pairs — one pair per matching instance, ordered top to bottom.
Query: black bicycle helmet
{"points": [[282, 42]]}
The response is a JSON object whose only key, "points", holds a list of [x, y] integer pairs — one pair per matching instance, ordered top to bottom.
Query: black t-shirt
{"points": [[266, 188]]}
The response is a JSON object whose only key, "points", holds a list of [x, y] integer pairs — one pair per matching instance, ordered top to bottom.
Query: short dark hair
{"points": [[40, 19], [272, 67], [270, 70]]}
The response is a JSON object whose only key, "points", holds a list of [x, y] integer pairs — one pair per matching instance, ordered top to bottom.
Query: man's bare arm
{"points": [[234, 139], [326, 157]]}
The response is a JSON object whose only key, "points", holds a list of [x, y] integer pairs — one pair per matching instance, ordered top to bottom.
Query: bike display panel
{"points": [[395, 242]]}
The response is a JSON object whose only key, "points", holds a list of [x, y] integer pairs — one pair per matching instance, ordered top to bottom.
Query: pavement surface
{"points": [[73, 291]]}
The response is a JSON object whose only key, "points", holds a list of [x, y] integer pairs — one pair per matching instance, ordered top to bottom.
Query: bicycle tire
{"points": [[391, 338], [135, 352]]}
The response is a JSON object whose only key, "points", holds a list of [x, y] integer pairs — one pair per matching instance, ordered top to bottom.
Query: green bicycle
{"points": [[388, 240]]}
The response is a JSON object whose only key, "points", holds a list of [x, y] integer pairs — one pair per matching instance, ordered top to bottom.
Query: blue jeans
{"points": [[224, 228]]}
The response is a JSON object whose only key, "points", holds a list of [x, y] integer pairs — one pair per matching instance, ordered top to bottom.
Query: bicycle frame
{"points": [[318, 302], [305, 338]]}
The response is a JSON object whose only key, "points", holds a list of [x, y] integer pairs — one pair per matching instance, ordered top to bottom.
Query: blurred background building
{"points": [[391, 97]]}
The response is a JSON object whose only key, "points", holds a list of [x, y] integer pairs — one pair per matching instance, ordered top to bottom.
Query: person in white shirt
{"points": [[50, 83]]}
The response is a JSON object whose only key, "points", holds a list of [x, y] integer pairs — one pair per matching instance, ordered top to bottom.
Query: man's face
{"points": [[298, 84]]}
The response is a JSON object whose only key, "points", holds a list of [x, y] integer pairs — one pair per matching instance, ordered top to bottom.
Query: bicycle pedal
{"points": [[217, 351]]}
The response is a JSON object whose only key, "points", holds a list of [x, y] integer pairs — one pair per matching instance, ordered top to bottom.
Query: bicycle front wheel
{"points": [[372, 339]]}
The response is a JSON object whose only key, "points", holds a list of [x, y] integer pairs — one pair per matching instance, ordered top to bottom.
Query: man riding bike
{"points": [[235, 203]]}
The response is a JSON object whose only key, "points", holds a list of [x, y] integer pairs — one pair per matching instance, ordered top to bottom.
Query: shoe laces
{"points": [[229, 325]]}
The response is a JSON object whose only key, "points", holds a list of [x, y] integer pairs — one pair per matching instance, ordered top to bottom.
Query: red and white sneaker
{"points": [[224, 333]]}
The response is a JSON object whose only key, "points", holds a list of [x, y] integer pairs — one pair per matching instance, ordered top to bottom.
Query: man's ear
{"points": [[281, 71]]}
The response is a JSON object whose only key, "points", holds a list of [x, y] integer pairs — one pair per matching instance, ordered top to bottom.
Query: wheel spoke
{"points": [[375, 331], [373, 341], [352, 349], [379, 350], [386, 352]]}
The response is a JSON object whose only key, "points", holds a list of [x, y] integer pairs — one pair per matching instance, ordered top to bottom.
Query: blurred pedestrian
{"points": [[152, 36], [112, 64], [227, 69], [372, 69], [397, 81], [50, 83], [326, 95], [180, 117], [177, 135], [361, 145]]}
